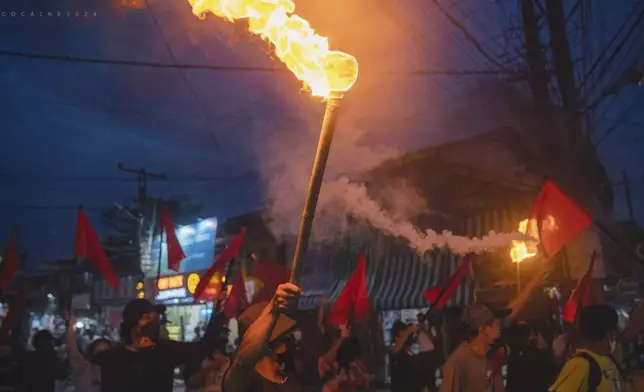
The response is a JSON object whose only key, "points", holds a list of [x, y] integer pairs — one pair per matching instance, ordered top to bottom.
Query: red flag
{"points": [[559, 218], [87, 246], [231, 251], [175, 252], [10, 262], [271, 275], [439, 296], [581, 296], [237, 298], [353, 301], [16, 309]]}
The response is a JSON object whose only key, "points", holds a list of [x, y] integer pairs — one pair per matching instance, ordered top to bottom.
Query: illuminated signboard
{"points": [[197, 242], [170, 282], [180, 288]]}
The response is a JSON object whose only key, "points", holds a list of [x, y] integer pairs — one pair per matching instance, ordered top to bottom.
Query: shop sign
{"points": [[170, 282], [178, 293]]}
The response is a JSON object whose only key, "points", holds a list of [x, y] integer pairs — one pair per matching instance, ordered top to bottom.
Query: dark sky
{"points": [[65, 125]]}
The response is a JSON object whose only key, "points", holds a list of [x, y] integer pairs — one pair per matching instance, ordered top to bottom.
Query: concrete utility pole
{"points": [[142, 180]]}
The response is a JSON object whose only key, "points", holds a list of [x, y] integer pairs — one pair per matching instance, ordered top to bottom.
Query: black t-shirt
{"points": [[124, 370], [531, 371], [406, 372]]}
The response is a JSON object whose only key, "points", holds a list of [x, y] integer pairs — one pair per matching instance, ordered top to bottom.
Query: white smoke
{"points": [[287, 173], [358, 204]]}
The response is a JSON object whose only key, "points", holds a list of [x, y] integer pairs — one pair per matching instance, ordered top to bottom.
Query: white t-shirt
{"points": [[426, 342]]}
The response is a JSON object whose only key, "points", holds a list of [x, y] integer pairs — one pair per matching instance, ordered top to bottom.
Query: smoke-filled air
{"points": [[286, 168]]}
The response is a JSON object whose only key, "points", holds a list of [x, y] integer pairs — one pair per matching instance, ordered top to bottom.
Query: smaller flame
{"points": [[522, 250]]}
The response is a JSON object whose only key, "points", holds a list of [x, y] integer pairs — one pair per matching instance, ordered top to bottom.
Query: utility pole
{"points": [[534, 57], [564, 72], [142, 180], [148, 212]]}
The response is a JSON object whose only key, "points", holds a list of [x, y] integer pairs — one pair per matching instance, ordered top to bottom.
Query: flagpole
{"points": [[160, 260], [589, 271], [445, 288]]}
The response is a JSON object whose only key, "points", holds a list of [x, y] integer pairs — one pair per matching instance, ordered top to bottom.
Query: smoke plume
{"points": [[287, 172]]}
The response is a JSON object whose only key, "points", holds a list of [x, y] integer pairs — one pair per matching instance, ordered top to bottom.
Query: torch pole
{"points": [[319, 165]]}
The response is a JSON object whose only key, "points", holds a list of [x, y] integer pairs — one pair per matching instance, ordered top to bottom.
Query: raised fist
{"points": [[286, 298]]}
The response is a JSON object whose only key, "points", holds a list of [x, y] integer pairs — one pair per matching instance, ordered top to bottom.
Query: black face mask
{"points": [[149, 331]]}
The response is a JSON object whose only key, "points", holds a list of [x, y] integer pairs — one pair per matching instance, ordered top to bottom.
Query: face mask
{"points": [[149, 333]]}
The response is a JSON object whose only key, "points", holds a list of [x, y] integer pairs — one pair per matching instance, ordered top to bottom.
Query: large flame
{"points": [[327, 73], [522, 250]]}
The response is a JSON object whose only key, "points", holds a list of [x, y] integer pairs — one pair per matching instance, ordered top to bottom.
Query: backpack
{"points": [[594, 371]]}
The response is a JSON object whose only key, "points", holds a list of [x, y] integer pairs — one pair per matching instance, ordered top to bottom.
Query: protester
{"points": [[427, 343], [145, 362], [531, 364], [256, 366], [406, 368], [468, 368], [591, 368], [39, 369], [329, 370], [209, 374], [87, 376]]}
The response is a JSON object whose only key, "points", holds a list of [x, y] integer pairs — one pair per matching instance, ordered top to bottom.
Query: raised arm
{"points": [[402, 338], [255, 342], [75, 358]]}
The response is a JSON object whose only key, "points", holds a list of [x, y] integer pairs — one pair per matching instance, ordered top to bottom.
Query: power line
{"points": [[225, 68], [181, 73], [251, 174], [48, 208]]}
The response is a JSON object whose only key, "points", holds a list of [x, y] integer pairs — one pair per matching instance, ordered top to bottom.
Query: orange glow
{"points": [[131, 3], [325, 72], [522, 250], [170, 282]]}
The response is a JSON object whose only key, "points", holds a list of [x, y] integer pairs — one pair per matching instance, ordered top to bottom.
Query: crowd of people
{"points": [[493, 352]]}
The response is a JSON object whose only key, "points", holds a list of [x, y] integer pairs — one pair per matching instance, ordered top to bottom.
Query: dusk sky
{"points": [[66, 125]]}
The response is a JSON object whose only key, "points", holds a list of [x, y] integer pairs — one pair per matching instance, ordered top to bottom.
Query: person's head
{"points": [[420, 317], [483, 323], [141, 324], [397, 327], [598, 327], [43, 341], [98, 346], [269, 366]]}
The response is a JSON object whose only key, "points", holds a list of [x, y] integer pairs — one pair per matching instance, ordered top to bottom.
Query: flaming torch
{"points": [[327, 74], [522, 250]]}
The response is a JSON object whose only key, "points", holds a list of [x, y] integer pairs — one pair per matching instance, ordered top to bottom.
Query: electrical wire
{"points": [[224, 68], [185, 80], [251, 174], [48, 208]]}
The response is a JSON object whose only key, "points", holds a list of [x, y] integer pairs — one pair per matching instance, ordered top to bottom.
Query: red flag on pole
{"points": [[559, 218], [87, 246], [231, 251], [175, 252], [10, 262], [271, 275], [439, 296], [581, 296], [237, 297], [353, 301]]}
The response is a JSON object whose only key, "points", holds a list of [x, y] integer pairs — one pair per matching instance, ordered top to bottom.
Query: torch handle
{"points": [[319, 165]]}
